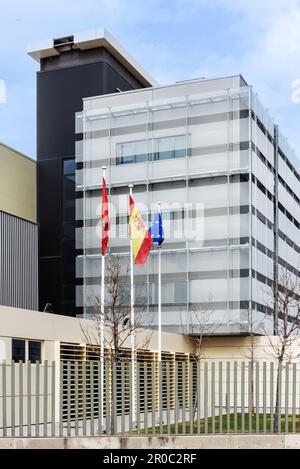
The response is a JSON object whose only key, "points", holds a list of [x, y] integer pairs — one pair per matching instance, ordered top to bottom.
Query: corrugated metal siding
{"points": [[18, 262]]}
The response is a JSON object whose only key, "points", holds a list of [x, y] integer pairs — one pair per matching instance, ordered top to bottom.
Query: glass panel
{"points": [[164, 148], [69, 166], [18, 350], [34, 351]]}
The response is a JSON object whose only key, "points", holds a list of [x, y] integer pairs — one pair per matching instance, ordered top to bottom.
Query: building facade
{"points": [[72, 67], [230, 192], [18, 230]]}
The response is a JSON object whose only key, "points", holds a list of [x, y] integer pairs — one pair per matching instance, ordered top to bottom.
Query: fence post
{"points": [[53, 368], [287, 377], [235, 378], [153, 389], [123, 391], [213, 395], [243, 395], [250, 395], [114, 396], [228, 396], [279, 396], [45, 397], [92, 397], [100, 397], [130, 397], [183, 397], [198, 397], [257, 397], [264, 397], [271, 397], [20, 398], [29, 398], [76, 398], [108, 398], [138, 398], [146, 398], [168, 398], [191, 398], [205, 398], [220, 398], [13, 399], [61, 399], [69, 399], [294, 399], [4, 400], [176, 410], [84, 413], [160, 413]]}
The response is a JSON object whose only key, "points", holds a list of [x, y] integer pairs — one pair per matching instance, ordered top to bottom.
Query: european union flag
{"points": [[156, 229]]}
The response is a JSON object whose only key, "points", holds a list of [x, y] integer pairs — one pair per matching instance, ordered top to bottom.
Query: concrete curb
{"points": [[157, 442]]}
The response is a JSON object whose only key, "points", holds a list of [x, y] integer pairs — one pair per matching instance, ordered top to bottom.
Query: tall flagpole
{"points": [[159, 295], [102, 321], [132, 336]]}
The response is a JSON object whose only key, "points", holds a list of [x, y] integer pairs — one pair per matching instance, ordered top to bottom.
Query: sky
{"points": [[172, 39]]}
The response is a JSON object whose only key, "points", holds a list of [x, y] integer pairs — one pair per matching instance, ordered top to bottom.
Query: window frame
{"points": [[26, 340]]}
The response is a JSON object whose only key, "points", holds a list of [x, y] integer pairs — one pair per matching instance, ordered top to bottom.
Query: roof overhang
{"points": [[89, 40]]}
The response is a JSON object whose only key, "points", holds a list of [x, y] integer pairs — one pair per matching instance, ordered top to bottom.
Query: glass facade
{"points": [[204, 149]]}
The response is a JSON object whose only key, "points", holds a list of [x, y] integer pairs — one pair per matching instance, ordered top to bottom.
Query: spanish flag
{"points": [[105, 217], [140, 235]]}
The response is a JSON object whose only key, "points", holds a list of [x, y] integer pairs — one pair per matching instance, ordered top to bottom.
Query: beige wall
{"points": [[17, 184], [53, 329], [239, 348]]}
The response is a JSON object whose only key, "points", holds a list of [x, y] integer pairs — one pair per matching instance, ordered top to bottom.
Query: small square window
{"points": [[18, 350], [34, 351]]}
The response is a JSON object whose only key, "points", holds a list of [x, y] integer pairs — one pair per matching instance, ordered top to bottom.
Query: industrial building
{"points": [[230, 192], [18, 230]]}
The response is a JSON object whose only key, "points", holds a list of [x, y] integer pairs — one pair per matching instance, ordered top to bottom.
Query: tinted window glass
{"points": [[18, 350], [34, 351]]}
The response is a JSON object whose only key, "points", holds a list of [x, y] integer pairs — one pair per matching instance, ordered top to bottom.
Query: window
{"points": [[170, 147], [164, 148], [132, 152], [69, 166], [172, 293], [18, 350], [24, 350], [34, 351]]}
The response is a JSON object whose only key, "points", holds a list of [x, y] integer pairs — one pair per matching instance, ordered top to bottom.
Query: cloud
{"points": [[269, 33], [173, 40]]}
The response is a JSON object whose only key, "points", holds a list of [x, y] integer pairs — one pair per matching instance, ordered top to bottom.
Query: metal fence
{"points": [[67, 399]]}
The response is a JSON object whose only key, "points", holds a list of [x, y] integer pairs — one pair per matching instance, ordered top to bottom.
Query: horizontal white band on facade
{"points": [[156, 105], [169, 178], [170, 251]]}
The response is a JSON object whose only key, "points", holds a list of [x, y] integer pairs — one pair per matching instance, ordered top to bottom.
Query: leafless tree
{"points": [[287, 297], [117, 323], [199, 329]]}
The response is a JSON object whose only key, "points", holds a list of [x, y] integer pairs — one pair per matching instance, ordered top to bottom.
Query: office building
{"points": [[71, 68], [230, 190], [18, 230]]}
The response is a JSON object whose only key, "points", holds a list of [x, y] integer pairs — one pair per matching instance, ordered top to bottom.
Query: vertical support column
{"points": [[84, 213], [275, 222], [250, 312]]}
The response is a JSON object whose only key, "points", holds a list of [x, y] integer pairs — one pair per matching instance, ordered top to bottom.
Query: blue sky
{"points": [[172, 39]]}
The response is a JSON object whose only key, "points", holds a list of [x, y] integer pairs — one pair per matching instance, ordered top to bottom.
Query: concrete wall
{"points": [[17, 184], [282, 441]]}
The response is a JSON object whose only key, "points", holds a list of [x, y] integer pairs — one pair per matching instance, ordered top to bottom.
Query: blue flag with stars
{"points": [[156, 229]]}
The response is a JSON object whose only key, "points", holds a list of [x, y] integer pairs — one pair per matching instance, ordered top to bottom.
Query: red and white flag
{"points": [[105, 217]]}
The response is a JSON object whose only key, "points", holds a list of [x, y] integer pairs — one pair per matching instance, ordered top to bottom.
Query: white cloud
{"points": [[269, 58]]}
